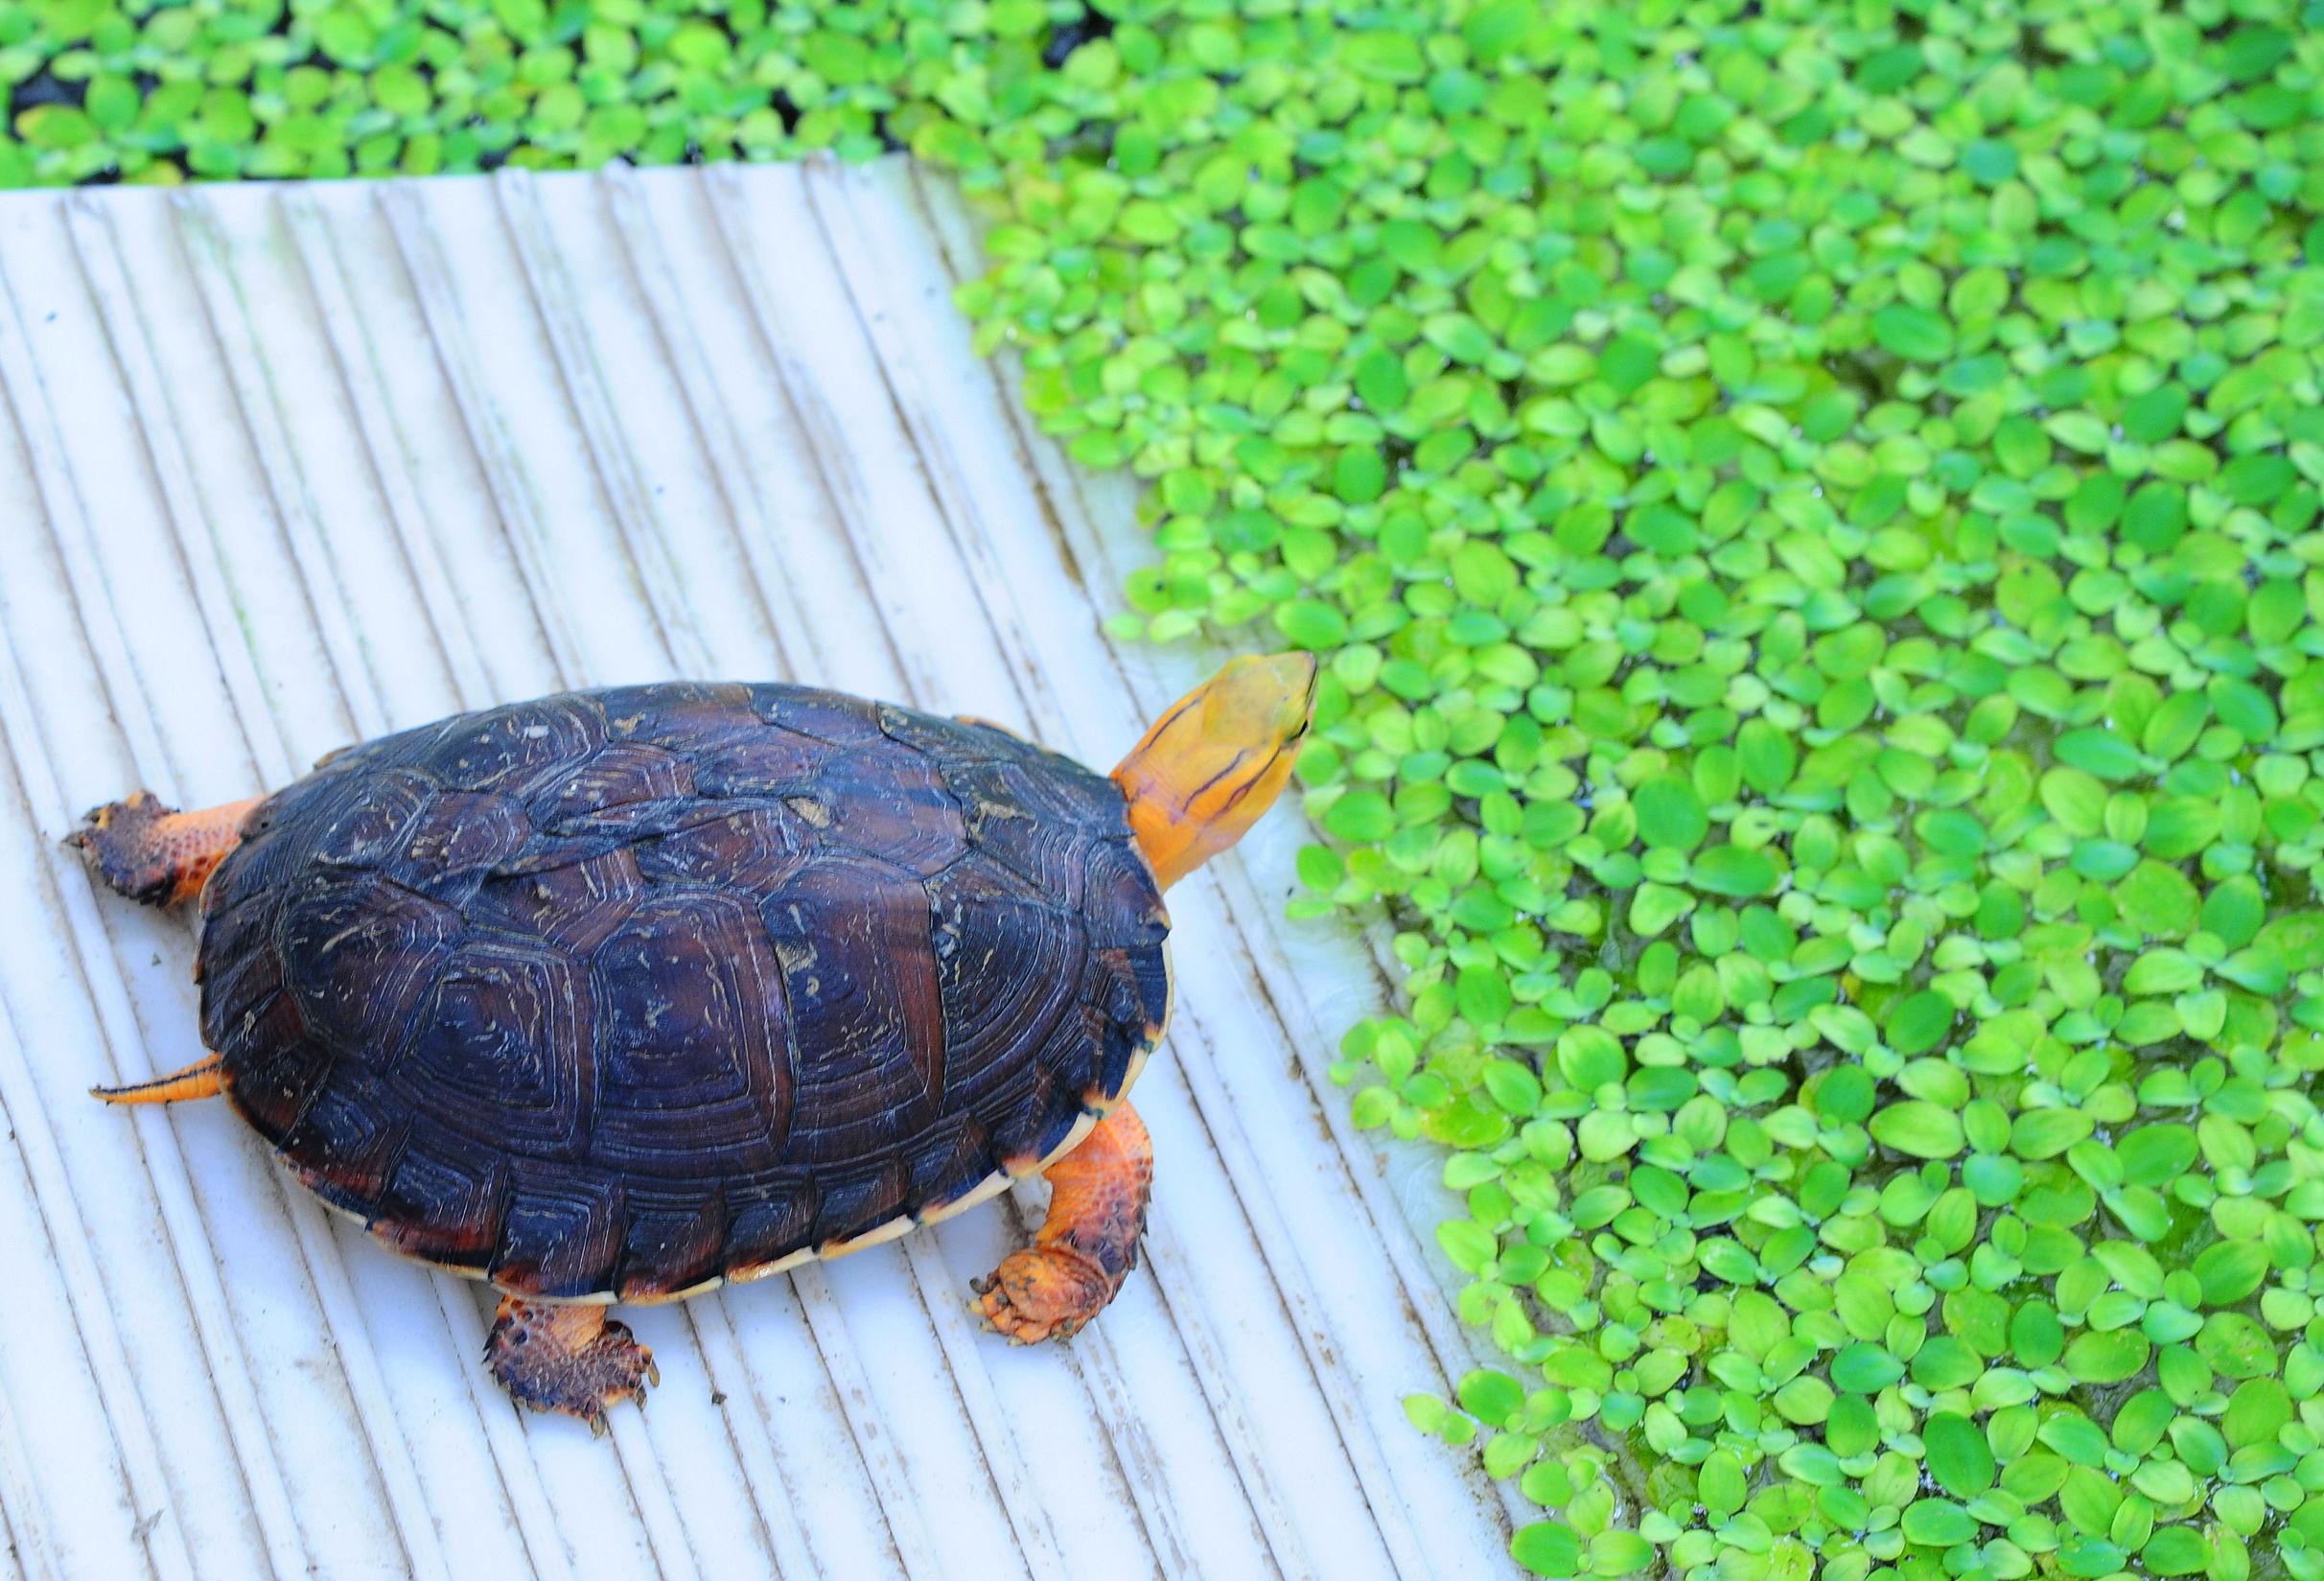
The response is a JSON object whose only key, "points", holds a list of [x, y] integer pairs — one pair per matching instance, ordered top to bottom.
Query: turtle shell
{"points": [[623, 992]]}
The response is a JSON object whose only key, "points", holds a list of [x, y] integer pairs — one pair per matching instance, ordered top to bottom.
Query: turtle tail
{"points": [[199, 1079]]}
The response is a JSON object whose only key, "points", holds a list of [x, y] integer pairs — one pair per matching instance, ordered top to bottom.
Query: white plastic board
{"points": [[284, 468]]}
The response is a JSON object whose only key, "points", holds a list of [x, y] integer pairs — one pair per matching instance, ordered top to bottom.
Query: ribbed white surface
{"points": [[287, 467]]}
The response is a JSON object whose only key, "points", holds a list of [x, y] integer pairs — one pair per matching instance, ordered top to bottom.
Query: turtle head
{"points": [[1217, 760]]}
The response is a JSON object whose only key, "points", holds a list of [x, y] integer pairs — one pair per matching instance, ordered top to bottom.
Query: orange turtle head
{"points": [[1217, 760]]}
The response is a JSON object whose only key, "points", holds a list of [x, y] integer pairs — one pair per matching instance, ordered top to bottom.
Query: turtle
{"points": [[619, 995]]}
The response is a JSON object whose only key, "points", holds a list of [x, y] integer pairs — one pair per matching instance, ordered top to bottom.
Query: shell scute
{"points": [[687, 716], [827, 716], [947, 741], [510, 749], [773, 762], [611, 777], [1031, 786], [889, 801], [625, 824], [373, 826], [457, 838], [752, 848], [275, 849], [1048, 857], [1120, 900], [572, 905], [360, 955], [1006, 965], [238, 968], [1131, 989], [615, 993], [867, 1017], [505, 1054], [694, 1063], [284, 1069], [1032, 1117], [349, 1138], [947, 1164], [859, 1200], [444, 1205], [767, 1220], [562, 1235], [671, 1244]]}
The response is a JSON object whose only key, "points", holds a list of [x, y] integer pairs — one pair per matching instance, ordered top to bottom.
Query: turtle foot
{"points": [[119, 838], [155, 853], [1087, 1244], [1042, 1292], [569, 1358]]}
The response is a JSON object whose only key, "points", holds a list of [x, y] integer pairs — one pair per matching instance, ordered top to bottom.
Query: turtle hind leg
{"points": [[157, 854], [202, 1078], [1089, 1242], [566, 1356]]}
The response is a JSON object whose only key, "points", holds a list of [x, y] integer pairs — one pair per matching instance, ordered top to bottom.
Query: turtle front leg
{"points": [[157, 854], [1089, 1242], [568, 1357]]}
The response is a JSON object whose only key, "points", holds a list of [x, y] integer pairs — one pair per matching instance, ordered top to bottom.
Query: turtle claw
{"points": [[1042, 1292], [568, 1358]]}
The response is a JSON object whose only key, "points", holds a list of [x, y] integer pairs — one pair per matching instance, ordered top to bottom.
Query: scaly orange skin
{"points": [[1215, 760], [157, 854], [202, 1078], [1089, 1241], [566, 1356]]}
